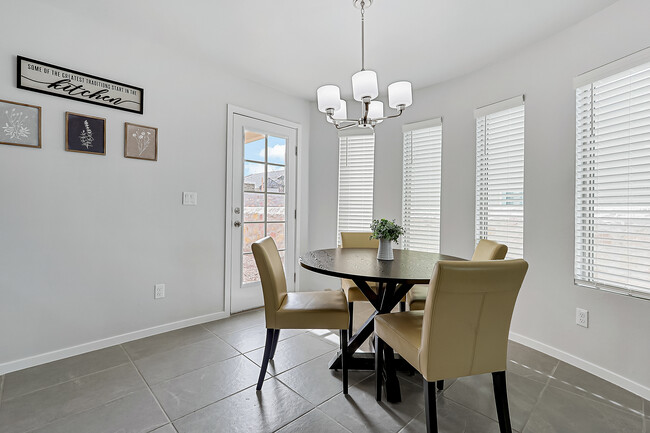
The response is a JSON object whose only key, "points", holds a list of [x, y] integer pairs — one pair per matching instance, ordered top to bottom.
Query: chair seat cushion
{"points": [[417, 296], [313, 310], [402, 332]]}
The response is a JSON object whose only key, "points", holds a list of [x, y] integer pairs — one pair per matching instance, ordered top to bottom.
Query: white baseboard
{"points": [[55, 355], [634, 387]]}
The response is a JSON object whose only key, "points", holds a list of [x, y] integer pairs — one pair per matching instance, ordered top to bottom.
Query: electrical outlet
{"points": [[190, 198], [159, 291], [582, 317]]}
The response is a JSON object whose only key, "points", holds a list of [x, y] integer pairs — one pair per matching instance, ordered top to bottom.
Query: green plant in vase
{"points": [[387, 232]]}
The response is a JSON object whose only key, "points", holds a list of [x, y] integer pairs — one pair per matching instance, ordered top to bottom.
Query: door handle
{"points": [[237, 223]]}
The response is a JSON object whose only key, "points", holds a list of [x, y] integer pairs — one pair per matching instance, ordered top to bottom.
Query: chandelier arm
{"points": [[392, 116], [337, 122], [340, 128]]}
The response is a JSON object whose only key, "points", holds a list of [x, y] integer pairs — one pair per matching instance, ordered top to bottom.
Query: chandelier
{"points": [[364, 90]]}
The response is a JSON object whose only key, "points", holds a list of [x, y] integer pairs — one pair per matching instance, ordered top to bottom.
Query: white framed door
{"points": [[262, 202]]}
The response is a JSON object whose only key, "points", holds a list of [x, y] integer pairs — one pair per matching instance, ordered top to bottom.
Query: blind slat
{"points": [[421, 177], [500, 178], [356, 183], [612, 202]]}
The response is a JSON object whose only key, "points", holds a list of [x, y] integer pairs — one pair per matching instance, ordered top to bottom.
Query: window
{"points": [[500, 174], [356, 179], [421, 186], [612, 213]]}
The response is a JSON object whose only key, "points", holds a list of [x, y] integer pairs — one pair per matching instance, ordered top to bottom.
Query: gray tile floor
{"points": [[201, 379]]}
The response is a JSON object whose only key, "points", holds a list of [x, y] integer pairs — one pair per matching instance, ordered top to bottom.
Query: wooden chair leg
{"points": [[351, 310], [270, 333], [276, 337], [344, 359], [379, 373], [440, 384], [393, 393], [501, 398], [430, 406]]}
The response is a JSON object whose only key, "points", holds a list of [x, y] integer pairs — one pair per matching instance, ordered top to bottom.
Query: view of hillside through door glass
{"points": [[264, 196]]}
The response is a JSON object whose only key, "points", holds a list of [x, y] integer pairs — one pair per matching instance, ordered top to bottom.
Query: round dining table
{"points": [[394, 279]]}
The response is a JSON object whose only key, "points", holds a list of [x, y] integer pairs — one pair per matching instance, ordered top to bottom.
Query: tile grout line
{"points": [[168, 350], [239, 351], [289, 369], [189, 371], [66, 381], [147, 385], [539, 397], [216, 401], [624, 409], [83, 411], [307, 413], [338, 423]]}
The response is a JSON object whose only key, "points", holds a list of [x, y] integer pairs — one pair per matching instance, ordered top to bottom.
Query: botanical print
{"points": [[20, 124], [15, 127], [86, 136], [143, 138], [140, 142]]}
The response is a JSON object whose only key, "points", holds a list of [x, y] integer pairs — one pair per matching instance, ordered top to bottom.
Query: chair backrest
{"points": [[358, 240], [489, 250], [274, 284], [467, 317]]}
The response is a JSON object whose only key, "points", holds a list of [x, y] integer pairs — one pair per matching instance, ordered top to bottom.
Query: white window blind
{"points": [[500, 174], [356, 178], [421, 186], [612, 221]]}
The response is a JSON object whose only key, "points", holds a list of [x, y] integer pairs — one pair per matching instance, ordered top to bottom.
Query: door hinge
{"points": [[296, 150], [295, 213], [294, 277]]}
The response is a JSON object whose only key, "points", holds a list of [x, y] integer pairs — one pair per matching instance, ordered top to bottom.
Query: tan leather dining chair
{"points": [[485, 250], [354, 293], [299, 310], [462, 331]]}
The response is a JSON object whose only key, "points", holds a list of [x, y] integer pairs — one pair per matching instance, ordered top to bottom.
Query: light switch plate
{"points": [[190, 198]]}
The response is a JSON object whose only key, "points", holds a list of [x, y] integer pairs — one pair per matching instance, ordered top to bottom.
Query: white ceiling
{"points": [[297, 45]]}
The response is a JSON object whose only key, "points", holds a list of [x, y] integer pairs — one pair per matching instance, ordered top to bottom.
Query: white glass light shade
{"points": [[364, 84], [400, 93], [329, 96], [376, 110], [341, 113]]}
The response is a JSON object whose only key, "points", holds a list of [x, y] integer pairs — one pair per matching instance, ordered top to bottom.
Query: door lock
{"points": [[237, 210], [237, 223]]}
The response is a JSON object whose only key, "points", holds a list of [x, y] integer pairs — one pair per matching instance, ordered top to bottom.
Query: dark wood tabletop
{"points": [[408, 267]]}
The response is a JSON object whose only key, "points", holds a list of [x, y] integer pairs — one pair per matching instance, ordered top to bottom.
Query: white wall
{"points": [[83, 238], [616, 345]]}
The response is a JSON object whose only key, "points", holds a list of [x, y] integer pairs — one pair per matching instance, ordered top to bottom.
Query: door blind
{"points": [[500, 176], [356, 180], [421, 188], [612, 215]]}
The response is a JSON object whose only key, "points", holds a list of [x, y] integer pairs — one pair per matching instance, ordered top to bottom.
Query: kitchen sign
{"points": [[66, 83]]}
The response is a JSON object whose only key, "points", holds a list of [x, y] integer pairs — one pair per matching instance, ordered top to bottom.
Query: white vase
{"points": [[385, 251]]}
